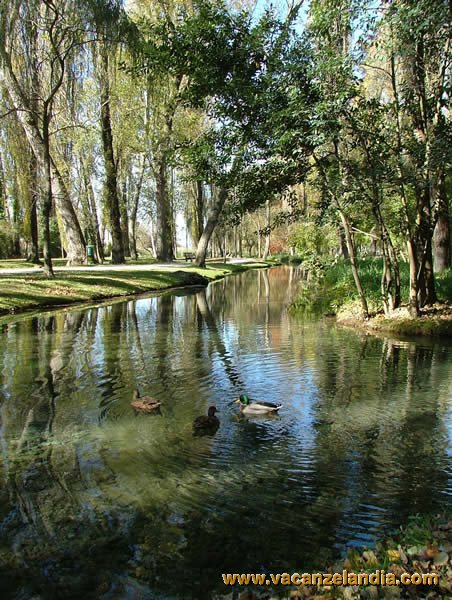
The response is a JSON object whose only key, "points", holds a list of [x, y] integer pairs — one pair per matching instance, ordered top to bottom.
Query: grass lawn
{"points": [[25, 292]]}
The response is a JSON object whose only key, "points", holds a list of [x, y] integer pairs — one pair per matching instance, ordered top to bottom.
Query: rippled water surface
{"points": [[99, 502]]}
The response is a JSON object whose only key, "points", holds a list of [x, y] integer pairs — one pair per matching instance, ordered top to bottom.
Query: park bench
{"points": [[189, 256]]}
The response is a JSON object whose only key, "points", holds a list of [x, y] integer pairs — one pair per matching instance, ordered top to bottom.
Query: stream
{"points": [[97, 501]]}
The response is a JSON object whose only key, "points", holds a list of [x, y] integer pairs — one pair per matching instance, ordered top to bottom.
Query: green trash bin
{"points": [[90, 251]]}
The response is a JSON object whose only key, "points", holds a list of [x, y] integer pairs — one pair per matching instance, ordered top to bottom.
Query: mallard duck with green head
{"points": [[256, 408]]}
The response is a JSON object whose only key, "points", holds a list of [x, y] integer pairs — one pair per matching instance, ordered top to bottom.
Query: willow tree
{"points": [[111, 28], [56, 30]]}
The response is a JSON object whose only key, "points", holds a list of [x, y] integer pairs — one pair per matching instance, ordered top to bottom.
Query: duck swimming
{"points": [[144, 403], [256, 408], [206, 424]]}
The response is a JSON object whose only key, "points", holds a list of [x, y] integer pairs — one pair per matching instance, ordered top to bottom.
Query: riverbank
{"points": [[24, 292], [332, 292], [434, 320], [422, 547]]}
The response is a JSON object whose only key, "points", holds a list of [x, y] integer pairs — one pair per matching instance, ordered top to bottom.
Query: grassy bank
{"points": [[19, 293], [334, 293], [422, 547]]}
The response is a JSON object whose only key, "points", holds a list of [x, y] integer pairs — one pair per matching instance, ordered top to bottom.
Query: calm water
{"points": [[97, 502]]}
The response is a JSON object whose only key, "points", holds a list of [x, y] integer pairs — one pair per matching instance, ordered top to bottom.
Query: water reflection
{"points": [[97, 501]]}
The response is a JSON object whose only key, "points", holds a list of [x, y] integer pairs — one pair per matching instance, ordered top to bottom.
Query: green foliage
{"points": [[253, 81], [313, 239], [6, 240], [444, 285], [336, 287]]}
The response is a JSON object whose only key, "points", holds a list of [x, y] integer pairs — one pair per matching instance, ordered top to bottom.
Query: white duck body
{"points": [[256, 408]]}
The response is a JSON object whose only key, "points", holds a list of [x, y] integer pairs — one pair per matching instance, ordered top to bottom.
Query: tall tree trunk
{"points": [[111, 183], [3, 195], [34, 195], [47, 200], [199, 210], [134, 212], [92, 215], [125, 218], [212, 221], [267, 230], [73, 234], [152, 236], [441, 238], [240, 241], [343, 242], [411, 245], [164, 246], [351, 251], [425, 278]]}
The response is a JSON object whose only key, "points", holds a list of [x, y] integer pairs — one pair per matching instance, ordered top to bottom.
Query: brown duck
{"points": [[144, 403], [206, 424]]}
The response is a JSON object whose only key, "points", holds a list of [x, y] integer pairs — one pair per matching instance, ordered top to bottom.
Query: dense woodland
{"points": [[317, 128]]}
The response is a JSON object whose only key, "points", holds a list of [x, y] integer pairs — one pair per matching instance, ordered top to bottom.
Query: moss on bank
{"points": [[20, 293], [434, 321]]}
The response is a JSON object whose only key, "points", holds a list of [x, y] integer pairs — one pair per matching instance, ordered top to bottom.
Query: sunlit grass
{"points": [[25, 292]]}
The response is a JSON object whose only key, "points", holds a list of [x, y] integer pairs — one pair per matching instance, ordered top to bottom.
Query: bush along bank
{"points": [[330, 290]]}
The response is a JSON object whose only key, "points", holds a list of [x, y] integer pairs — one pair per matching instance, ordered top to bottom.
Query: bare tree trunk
{"points": [[111, 182], [34, 195], [47, 201], [199, 210], [134, 212], [92, 214], [125, 218], [212, 221], [267, 231], [151, 234], [441, 238], [240, 241], [259, 241], [164, 245], [411, 246], [351, 251], [425, 275]]}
